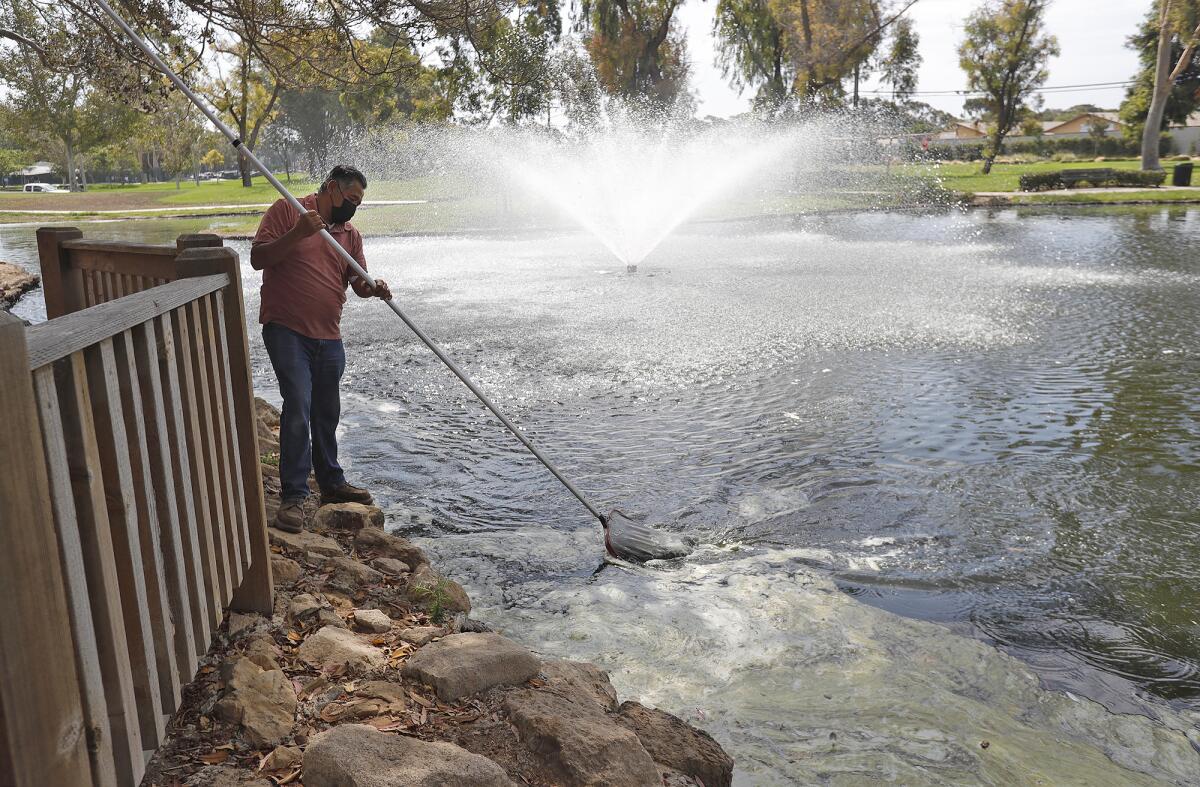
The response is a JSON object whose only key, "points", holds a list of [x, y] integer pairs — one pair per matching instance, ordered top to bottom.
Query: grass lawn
{"points": [[967, 176], [455, 203]]}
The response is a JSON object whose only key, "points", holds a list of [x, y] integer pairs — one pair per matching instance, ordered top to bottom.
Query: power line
{"points": [[1049, 89]]}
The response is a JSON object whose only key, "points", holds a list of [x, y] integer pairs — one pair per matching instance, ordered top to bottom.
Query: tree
{"points": [[1175, 34], [637, 48], [800, 50], [751, 51], [1004, 55], [899, 67], [414, 91], [247, 92], [1184, 97], [317, 120], [1097, 130], [174, 132], [212, 160]]}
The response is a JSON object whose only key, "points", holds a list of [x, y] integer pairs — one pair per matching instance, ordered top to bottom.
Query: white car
{"points": [[44, 187]]}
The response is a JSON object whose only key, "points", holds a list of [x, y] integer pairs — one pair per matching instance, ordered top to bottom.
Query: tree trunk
{"points": [[857, 73], [1158, 100], [994, 150], [70, 164], [244, 166]]}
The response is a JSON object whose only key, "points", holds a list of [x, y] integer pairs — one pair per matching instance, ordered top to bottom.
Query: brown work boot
{"points": [[344, 493], [290, 516]]}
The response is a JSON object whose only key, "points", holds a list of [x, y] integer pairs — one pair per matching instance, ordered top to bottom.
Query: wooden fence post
{"points": [[197, 240], [62, 285], [256, 593], [41, 701]]}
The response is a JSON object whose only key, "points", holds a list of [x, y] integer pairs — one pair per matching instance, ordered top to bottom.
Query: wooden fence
{"points": [[131, 503]]}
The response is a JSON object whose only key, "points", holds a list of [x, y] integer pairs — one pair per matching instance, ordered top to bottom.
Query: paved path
{"points": [[181, 208]]}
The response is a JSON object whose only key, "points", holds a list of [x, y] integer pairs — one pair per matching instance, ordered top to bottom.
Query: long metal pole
{"points": [[345, 255]]}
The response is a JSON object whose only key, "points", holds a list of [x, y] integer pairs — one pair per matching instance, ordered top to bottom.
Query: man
{"points": [[303, 289]]}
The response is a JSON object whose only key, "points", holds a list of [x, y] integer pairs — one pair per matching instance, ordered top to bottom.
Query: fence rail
{"points": [[131, 508]]}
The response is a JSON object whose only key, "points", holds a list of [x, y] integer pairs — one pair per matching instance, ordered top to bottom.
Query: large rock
{"points": [[14, 282], [266, 413], [347, 516], [370, 539], [305, 542], [391, 566], [284, 570], [349, 573], [438, 596], [303, 606], [372, 620], [421, 635], [333, 646], [261, 651], [464, 664], [578, 679], [263, 702], [673, 742], [579, 743], [357, 755]]}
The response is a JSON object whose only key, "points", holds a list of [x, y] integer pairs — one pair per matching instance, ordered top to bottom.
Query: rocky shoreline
{"points": [[15, 282], [370, 672]]}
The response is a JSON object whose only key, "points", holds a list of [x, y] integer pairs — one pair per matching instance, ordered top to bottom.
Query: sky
{"points": [[1091, 34]]}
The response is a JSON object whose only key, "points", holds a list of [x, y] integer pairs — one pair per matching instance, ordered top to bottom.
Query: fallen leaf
{"points": [[417, 698], [214, 757]]}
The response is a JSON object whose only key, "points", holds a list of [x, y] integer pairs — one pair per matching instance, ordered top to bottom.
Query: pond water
{"points": [[987, 423]]}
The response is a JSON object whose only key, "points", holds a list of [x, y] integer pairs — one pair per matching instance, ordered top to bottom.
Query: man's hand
{"points": [[308, 224], [364, 289], [381, 291]]}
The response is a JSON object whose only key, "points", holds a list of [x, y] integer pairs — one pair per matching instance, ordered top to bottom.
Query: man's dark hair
{"points": [[345, 174]]}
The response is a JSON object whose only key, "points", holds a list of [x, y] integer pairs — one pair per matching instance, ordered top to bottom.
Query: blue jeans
{"points": [[309, 371]]}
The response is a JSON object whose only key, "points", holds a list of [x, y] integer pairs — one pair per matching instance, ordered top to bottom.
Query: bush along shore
{"points": [[371, 672]]}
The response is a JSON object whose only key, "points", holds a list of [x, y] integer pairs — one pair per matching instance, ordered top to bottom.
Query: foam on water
{"points": [[805, 683]]}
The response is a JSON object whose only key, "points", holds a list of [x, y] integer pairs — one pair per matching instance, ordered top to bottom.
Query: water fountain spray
{"points": [[623, 537]]}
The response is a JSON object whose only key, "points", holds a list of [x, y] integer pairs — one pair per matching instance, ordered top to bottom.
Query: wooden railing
{"points": [[131, 503]]}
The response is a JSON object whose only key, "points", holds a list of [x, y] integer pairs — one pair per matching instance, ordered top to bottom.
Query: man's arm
{"points": [[271, 253], [365, 288]]}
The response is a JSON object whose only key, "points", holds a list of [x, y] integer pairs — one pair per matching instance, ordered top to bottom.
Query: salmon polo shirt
{"points": [[306, 291]]}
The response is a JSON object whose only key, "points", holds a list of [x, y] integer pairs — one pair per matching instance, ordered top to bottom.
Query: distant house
{"points": [[1083, 124], [1078, 126], [962, 129]]}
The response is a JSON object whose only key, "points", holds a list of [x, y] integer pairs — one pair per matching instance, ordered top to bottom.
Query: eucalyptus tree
{"points": [[1178, 34], [637, 47], [794, 51], [1005, 54], [898, 67], [1184, 96]]}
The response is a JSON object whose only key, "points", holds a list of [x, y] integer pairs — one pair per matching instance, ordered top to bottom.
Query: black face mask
{"points": [[340, 214]]}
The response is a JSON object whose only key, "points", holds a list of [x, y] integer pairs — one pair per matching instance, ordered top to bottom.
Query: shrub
{"points": [[1129, 177], [1041, 181], [1045, 181]]}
